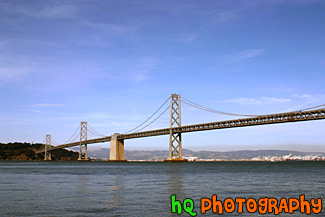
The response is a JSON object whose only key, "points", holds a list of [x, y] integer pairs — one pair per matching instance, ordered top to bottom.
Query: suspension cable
{"points": [[188, 102], [311, 107], [148, 118], [153, 120], [94, 131], [72, 135], [76, 137], [53, 141]]}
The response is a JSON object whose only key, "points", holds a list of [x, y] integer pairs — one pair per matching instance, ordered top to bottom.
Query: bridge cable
{"points": [[190, 103], [311, 108], [148, 118], [153, 120], [94, 131], [91, 132], [72, 135], [76, 138], [54, 142]]}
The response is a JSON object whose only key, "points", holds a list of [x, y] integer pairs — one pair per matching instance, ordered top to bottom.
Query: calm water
{"points": [[144, 189]]}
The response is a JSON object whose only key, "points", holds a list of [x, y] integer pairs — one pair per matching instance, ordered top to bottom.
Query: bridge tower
{"points": [[83, 137], [175, 138], [47, 145], [116, 153]]}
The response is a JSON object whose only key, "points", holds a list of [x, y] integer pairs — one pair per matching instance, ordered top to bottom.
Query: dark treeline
{"points": [[27, 151]]}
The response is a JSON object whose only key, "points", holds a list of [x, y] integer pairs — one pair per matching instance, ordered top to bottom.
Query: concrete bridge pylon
{"points": [[117, 149]]}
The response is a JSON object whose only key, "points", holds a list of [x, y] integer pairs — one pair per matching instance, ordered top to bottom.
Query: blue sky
{"points": [[113, 63]]}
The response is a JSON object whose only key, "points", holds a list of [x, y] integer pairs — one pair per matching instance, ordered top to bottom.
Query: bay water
{"points": [[144, 189]]}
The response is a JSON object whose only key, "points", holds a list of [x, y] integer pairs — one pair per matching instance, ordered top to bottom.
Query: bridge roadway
{"points": [[244, 122]]}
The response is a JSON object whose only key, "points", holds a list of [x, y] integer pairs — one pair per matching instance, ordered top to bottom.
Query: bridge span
{"points": [[175, 130]]}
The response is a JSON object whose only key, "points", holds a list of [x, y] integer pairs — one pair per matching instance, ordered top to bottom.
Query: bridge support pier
{"points": [[175, 138], [47, 145], [83, 147], [117, 149]]}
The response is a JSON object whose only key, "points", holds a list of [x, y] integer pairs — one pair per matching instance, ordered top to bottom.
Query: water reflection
{"points": [[175, 181], [175, 184], [116, 195]]}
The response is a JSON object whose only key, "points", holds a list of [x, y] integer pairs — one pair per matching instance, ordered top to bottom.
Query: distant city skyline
{"points": [[114, 63]]}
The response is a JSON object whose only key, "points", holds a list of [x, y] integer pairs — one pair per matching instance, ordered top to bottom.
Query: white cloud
{"points": [[255, 3], [38, 11], [61, 11], [55, 12], [225, 16], [110, 28], [187, 37], [243, 55], [13, 68], [142, 69], [135, 70], [12, 73], [139, 77], [309, 98], [257, 101], [296, 101], [307, 101], [48, 105], [36, 111]]}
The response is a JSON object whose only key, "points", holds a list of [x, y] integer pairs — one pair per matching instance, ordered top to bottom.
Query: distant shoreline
{"points": [[27, 152], [161, 161]]}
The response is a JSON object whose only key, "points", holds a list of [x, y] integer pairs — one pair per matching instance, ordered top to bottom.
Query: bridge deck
{"points": [[244, 122]]}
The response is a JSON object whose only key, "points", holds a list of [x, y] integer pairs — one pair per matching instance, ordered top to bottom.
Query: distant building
{"points": [[191, 158]]}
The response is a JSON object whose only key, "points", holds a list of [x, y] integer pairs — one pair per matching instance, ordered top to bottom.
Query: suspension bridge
{"points": [[175, 129]]}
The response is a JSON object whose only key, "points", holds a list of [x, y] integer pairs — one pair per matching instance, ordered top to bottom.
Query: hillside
{"points": [[26, 152], [103, 153]]}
